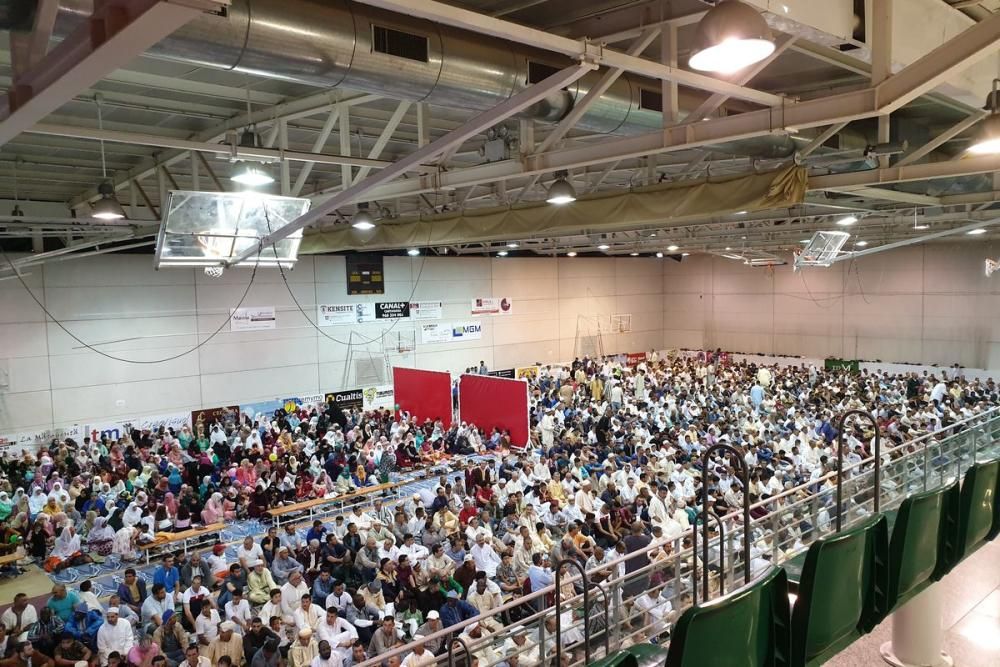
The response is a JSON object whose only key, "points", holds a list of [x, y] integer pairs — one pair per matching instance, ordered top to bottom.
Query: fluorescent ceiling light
{"points": [[730, 36], [251, 175], [561, 191], [847, 221], [921, 227], [976, 232], [862, 243], [512, 244], [603, 246], [671, 248], [413, 252], [502, 253], [571, 253], [633, 254], [685, 254], [659, 255]]}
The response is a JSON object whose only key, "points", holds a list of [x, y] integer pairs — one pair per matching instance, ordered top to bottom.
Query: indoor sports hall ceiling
{"points": [[338, 91]]}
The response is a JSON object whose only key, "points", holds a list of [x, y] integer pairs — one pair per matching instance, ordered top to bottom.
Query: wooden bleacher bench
{"points": [[308, 505], [182, 537]]}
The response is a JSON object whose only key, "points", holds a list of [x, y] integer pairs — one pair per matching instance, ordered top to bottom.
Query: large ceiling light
{"points": [[731, 36], [987, 140], [251, 174], [561, 191], [107, 207], [363, 220]]}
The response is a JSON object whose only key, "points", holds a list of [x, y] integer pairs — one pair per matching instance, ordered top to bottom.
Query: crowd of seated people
{"points": [[613, 469]]}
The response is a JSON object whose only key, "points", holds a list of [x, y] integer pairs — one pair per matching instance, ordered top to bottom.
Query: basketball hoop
{"points": [[991, 266]]}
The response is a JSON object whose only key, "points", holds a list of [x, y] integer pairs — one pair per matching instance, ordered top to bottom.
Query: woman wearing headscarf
{"points": [[59, 494], [37, 501], [6, 506], [214, 510], [132, 515], [101, 537], [124, 544], [66, 551]]}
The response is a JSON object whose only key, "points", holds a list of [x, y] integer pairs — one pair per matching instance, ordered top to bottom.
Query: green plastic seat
{"points": [[979, 512], [922, 543], [841, 594], [746, 628], [647, 654], [617, 659]]}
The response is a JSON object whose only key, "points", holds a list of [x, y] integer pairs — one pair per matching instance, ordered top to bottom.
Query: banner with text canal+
{"points": [[392, 310], [451, 333]]}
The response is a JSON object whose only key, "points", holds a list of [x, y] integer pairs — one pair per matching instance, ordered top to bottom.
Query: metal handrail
{"points": [[950, 432], [840, 462], [745, 469], [722, 553], [586, 608], [451, 650]]}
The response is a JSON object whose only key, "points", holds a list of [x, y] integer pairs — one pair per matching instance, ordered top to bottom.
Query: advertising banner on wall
{"points": [[500, 305], [391, 310], [426, 310], [329, 315], [252, 318], [451, 333], [635, 358], [526, 372], [503, 373], [348, 398], [377, 398], [227, 414], [13, 443]]}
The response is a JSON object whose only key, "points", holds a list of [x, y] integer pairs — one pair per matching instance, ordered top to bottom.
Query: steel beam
{"points": [[438, 12], [116, 32], [28, 48], [745, 76], [596, 91], [309, 105], [841, 108], [480, 123], [821, 139], [941, 139], [383, 140], [318, 144], [185, 145], [917, 172], [889, 195], [923, 238]]}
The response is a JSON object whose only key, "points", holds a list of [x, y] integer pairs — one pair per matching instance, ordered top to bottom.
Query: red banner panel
{"points": [[635, 358], [424, 394], [493, 402]]}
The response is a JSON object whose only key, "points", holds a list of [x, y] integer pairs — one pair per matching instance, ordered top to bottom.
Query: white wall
{"points": [[930, 303], [54, 381]]}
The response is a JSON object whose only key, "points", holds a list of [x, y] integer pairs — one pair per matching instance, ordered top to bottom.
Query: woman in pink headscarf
{"points": [[246, 475], [214, 510]]}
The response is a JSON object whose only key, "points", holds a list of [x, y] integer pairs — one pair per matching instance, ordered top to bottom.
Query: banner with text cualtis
{"points": [[500, 305]]}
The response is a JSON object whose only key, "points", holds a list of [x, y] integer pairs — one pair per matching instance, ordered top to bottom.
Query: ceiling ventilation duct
{"points": [[337, 43]]}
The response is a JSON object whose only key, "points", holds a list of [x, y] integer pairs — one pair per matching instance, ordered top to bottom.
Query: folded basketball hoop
{"points": [[822, 249], [991, 266]]}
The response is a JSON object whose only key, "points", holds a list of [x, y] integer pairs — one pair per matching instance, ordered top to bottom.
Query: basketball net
{"points": [[991, 266]]}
